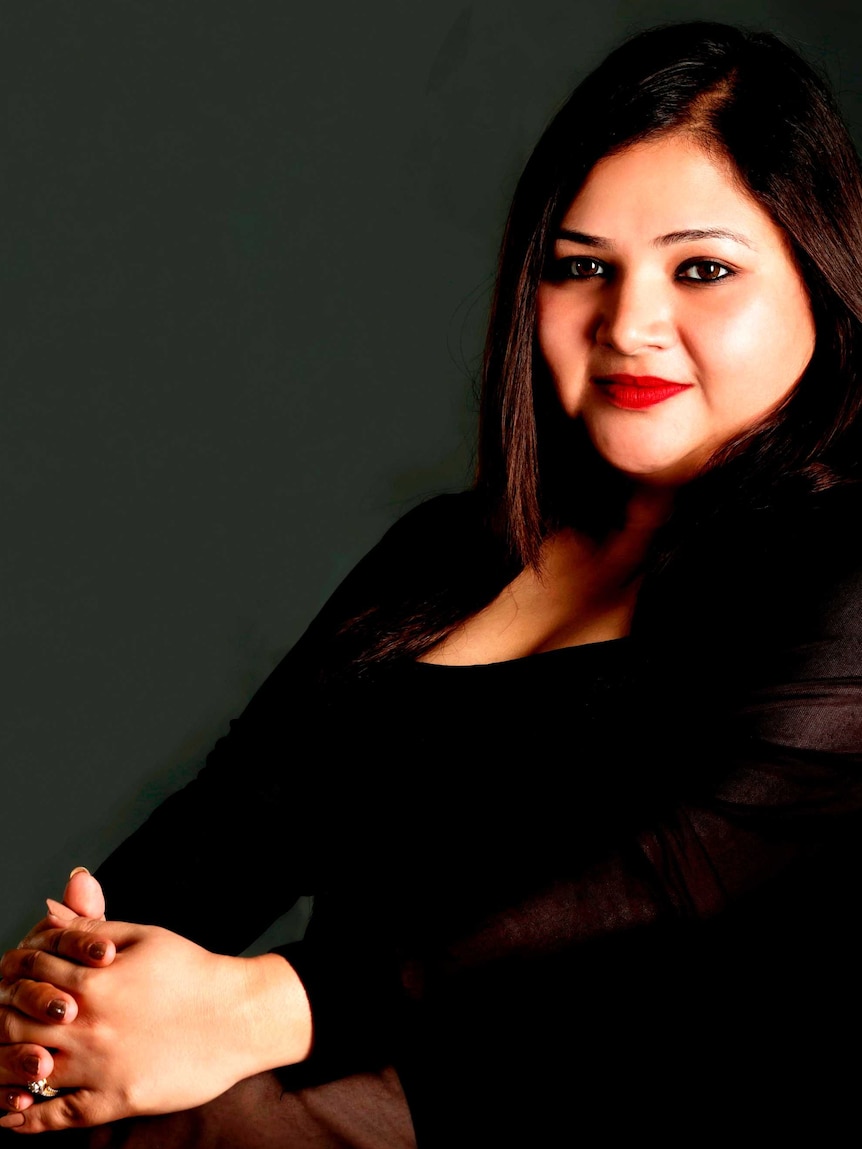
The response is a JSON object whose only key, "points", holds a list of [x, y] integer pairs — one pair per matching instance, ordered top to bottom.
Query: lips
{"points": [[634, 392]]}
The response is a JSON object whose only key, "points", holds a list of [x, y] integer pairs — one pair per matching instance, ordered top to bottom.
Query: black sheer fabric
{"points": [[610, 888]]}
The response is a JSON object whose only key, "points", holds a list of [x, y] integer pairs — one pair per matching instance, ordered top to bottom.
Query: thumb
{"points": [[83, 894]]}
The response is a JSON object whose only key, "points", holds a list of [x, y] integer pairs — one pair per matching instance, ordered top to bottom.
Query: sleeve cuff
{"points": [[355, 1011]]}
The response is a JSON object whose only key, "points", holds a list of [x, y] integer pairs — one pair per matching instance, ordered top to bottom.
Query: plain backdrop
{"points": [[246, 254]]}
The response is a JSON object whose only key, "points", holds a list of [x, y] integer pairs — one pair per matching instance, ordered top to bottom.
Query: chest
{"points": [[580, 594]]}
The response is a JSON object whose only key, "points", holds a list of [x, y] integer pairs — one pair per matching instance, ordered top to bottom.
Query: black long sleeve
{"points": [[656, 834]]}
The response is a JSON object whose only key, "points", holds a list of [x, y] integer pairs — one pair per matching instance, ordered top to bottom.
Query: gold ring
{"points": [[41, 1088]]}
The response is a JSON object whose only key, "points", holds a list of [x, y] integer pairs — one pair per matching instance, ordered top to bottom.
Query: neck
{"points": [[648, 509], [621, 555]]}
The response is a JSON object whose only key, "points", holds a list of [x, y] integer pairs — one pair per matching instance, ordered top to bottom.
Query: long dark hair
{"points": [[746, 96], [751, 98]]}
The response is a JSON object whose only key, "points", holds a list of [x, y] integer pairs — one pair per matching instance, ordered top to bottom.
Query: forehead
{"points": [[667, 185]]}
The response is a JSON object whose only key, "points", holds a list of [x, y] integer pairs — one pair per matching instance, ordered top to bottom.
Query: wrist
{"points": [[274, 1017]]}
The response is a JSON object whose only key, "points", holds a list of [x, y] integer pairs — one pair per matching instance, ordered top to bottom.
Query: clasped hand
{"points": [[124, 1019]]}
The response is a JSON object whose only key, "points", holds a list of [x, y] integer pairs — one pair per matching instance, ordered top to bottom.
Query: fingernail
{"points": [[79, 870], [97, 951], [56, 1008], [31, 1065], [11, 1100], [12, 1120]]}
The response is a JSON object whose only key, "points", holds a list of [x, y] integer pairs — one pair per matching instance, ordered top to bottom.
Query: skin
{"points": [[631, 290], [729, 316], [37, 1000], [130, 1023]]}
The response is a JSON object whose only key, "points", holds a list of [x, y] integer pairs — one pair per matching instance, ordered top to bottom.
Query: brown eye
{"points": [[584, 267], [559, 269], [705, 271]]}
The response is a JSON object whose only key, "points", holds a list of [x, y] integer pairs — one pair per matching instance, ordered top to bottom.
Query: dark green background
{"points": [[245, 255]]}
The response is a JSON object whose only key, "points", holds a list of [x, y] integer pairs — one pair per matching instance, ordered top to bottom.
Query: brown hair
{"points": [[752, 98]]}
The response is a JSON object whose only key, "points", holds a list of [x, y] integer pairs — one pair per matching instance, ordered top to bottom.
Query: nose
{"points": [[635, 315]]}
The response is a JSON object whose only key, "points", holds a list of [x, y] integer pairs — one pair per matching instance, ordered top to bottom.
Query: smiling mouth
{"points": [[634, 392]]}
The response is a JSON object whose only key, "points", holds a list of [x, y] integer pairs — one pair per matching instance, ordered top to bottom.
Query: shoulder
{"points": [[429, 526], [420, 542], [409, 554], [425, 556], [805, 562], [761, 575], [759, 621]]}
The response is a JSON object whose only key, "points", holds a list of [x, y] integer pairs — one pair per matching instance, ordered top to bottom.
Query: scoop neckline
{"points": [[564, 651]]}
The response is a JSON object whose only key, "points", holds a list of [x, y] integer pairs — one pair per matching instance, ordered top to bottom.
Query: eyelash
{"points": [[563, 269], [726, 271]]}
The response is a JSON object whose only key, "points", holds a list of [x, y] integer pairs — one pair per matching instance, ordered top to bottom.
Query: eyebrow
{"points": [[673, 237]]}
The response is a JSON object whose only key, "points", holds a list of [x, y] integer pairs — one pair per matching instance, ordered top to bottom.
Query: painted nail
{"points": [[79, 870], [97, 951], [56, 1008], [31, 1065], [11, 1100], [12, 1120]]}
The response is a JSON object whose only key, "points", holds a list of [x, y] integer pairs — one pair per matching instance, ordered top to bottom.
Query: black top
{"points": [[588, 892]]}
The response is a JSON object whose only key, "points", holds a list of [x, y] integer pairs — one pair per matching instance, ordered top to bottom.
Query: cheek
{"points": [[563, 338], [752, 355]]}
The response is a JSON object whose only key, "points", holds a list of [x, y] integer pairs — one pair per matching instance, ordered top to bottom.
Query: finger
{"points": [[83, 894], [58, 910], [58, 916], [40, 927], [83, 941], [41, 967], [38, 1000], [16, 1029], [20, 1064], [16, 1100], [74, 1110]]}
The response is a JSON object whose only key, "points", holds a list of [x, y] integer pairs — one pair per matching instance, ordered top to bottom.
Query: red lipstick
{"points": [[634, 392]]}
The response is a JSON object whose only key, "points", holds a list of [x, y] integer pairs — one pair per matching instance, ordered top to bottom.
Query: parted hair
{"points": [[753, 100]]}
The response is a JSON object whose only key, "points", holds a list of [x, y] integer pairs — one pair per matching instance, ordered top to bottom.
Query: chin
{"points": [[653, 464], [654, 470], [662, 478]]}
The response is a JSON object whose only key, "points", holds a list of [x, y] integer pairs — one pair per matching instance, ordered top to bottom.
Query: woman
{"points": [[577, 752]]}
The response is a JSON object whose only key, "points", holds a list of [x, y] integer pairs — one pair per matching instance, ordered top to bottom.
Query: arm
{"points": [[254, 808], [745, 812], [748, 846], [193, 856], [163, 1000]]}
